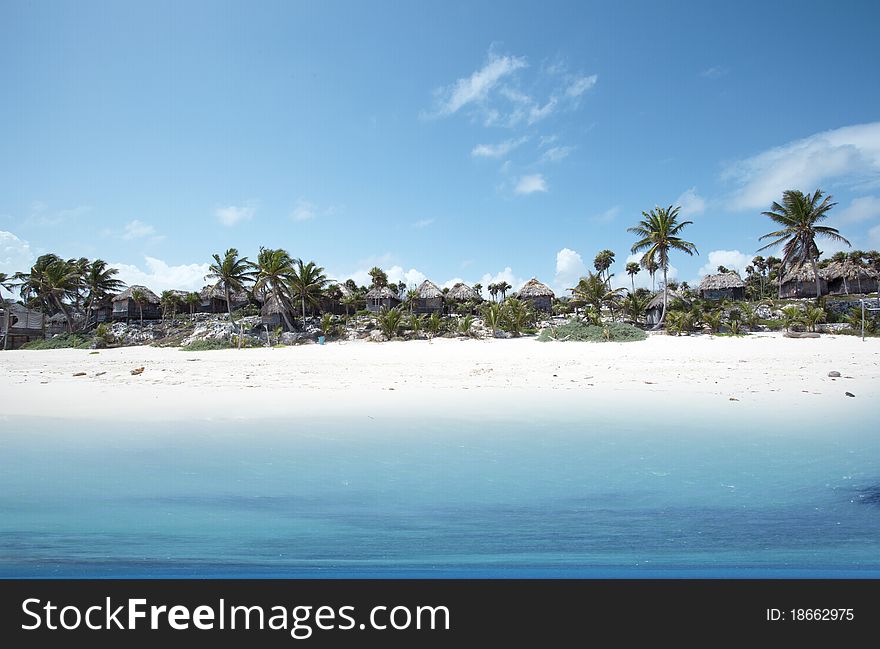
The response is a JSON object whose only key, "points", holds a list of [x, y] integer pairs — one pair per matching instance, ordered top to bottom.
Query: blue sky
{"points": [[474, 140]]}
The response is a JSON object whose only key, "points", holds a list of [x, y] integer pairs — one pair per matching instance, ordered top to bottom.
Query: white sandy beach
{"points": [[252, 383]]}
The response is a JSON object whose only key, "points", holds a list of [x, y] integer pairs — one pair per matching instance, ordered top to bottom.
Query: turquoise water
{"points": [[563, 495]]}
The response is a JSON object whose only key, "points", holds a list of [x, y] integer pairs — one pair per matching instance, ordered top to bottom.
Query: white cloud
{"points": [[715, 72], [580, 85], [477, 86], [537, 113], [546, 140], [497, 150], [556, 153], [850, 153], [531, 184], [691, 203], [860, 209], [304, 211], [41, 215], [231, 215], [607, 216], [423, 223], [137, 229], [874, 236], [15, 254], [732, 259], [570, 267], [505, 275], [159, 276], [643, 278]]}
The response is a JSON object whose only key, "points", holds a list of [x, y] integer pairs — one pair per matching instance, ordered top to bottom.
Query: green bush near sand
{"points": [[579, 331], [62, 341], [206, 345]]}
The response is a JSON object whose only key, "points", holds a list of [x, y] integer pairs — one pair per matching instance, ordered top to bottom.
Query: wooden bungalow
{"points": [[847, 277], [801, 282], [723, 286], [539, 295], [381, 296], [429, 298], [213, 300], [337, 300], [125, 308], [654, 310], [101, 312], [271, 313], [20, 325]]}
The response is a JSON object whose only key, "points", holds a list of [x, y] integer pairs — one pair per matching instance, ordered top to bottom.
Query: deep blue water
{"points": [[575, 495]]}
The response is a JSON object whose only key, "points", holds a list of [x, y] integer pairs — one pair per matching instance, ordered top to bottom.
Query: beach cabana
{"points": [[847, 277], [801, 282], [723, 286], [539, 295], [381, 296], [429, 298], [213, 300], [125, 308], [654, 310], [271, 313], [19, 325]]}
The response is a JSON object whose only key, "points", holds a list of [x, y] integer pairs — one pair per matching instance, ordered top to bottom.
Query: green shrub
{"points": [[579, 331], [62, 341], [206, 345]]}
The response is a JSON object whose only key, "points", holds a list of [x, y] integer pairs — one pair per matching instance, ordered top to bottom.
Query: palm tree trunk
{"points": [[816, 275], [632, 279], [302, 298], [665, 298], [228, 302], [283, 306], [7, 308], [141, 309], [66, 315]]}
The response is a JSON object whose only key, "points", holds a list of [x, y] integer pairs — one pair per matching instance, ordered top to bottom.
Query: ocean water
{"points": [[577, 493]]}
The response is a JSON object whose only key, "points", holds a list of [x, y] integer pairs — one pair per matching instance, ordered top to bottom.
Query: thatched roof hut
{"points": [[847, 276], [800, 281], [722, 286], [461, 292], [538, 294], [149, 296], [381, 296], [429, 298], [213, 299], [654, 310], [25, 325]]}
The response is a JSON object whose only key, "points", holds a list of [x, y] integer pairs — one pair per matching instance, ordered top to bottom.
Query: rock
{"points": [[800, 334], [377, 336], [136, 371], [80, 374], [100, 374], [834, 374], [849, 394]]}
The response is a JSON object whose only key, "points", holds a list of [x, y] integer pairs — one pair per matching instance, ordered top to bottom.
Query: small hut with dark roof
{"points": [[846, 277], [801, 282], [723, 286], [539, 295], [381, 296], [429, 298], [213, 299], [125, 308], [654, 310], [271, 313], [19, 325]]}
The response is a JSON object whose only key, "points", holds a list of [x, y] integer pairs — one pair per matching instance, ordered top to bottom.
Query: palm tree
{"points": [[799, 215], [658, 234], [603, 262], [652, 267], [632, 269], [273, 271], [231, 272], [378, 277], [100, 282], [50, 283], [307, 283], [5, 284], [503, 287], [478, 289], [493, 290], [593, 290], [139, 297], [410, 299], [192, 300], [166, 301], [635, 304], [492, 316], [515, 316], [390, 321]]}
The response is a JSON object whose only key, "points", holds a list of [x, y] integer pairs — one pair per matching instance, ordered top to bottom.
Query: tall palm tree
{"points": [[799, 215], [658, 235], [603, 262], [652, 267], [632, 269], [273, 270], [231, 272], [378, 277], [100, 282], [307, 282], [51, 283], [5, 284], [503, 287], [493, 290], [593, 291], [139, 297], [410, 299], [192, 300]]}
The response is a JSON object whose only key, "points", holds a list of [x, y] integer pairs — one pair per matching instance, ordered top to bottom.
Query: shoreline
{"points": [[439, 377]]}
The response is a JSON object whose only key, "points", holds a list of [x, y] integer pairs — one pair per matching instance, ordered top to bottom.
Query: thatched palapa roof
{"points": [[847, 270], [802, 273], [721, 281], [534, 288], [428, 290], [217, 291], [461, 292], [381, 293], [150, 297], [657, 301], [271, 306]]}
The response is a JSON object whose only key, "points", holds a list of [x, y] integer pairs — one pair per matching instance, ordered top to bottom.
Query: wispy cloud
{"points": [[714, 72], [581, 84], [476, 87], [537, 113], [546, 140], [497, 150], [556, 153], [850, 154], [530, 184], [692, 204], [860, 209], [304, 211], [232, 214], [42, 215], [607, 216], [423, 223], [137, 230], [15, 254]]}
